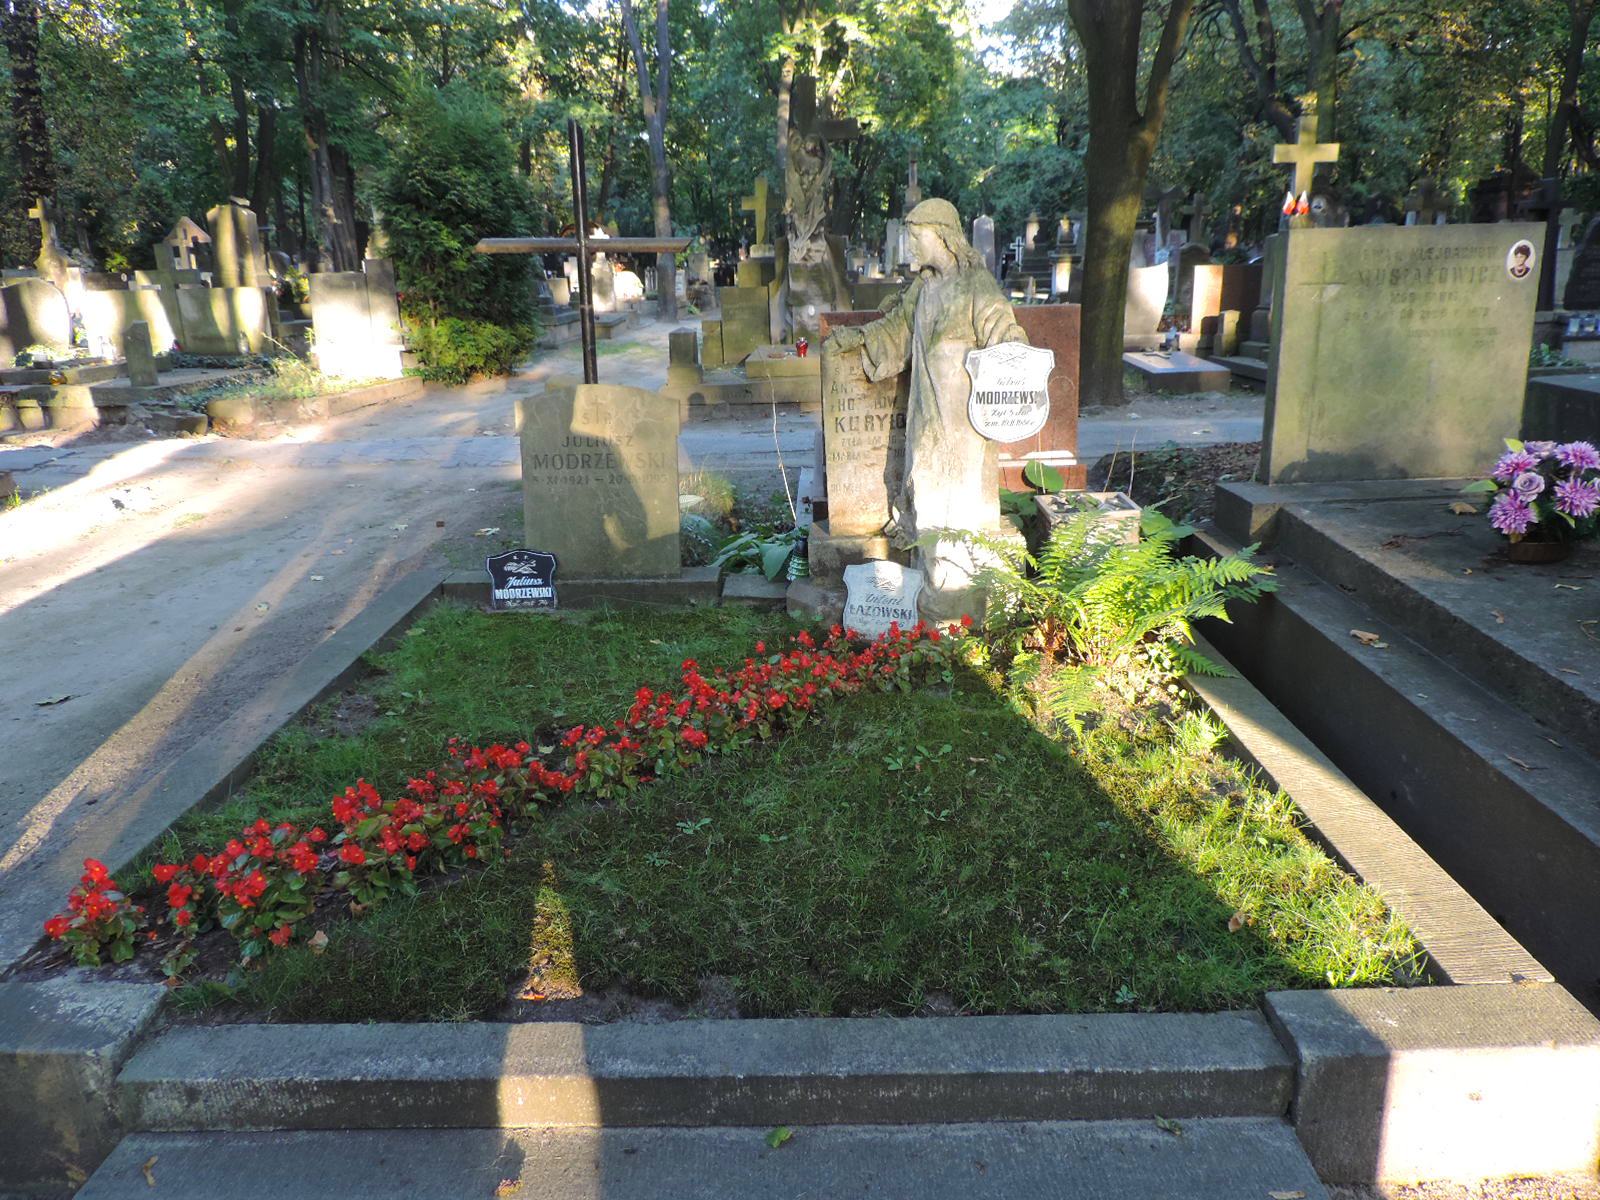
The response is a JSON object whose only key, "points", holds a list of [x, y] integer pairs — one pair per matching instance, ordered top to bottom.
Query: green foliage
{"points": [[451, 179], [455, 349], [763, 550], [1093, 613]]}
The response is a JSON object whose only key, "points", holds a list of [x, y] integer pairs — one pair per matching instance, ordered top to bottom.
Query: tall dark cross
{"points": [[805, 117], [1545, 204], [1195, 210], [582, 247]]}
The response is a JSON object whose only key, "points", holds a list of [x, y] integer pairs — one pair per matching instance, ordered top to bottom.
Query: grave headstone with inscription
{"points": [[1145, 306], [1398, 353], [600, 480], [880, 594]]}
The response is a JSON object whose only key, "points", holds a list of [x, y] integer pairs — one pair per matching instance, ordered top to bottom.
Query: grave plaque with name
{"points": [[1398, 353], [1010, 398], [864, 435], [600, 479], [521, 579], [880, 594]]}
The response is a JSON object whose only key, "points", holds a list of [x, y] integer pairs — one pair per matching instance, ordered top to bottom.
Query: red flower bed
{"points": [[263, 885]]}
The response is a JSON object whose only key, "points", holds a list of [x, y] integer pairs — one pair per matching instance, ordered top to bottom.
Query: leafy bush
{"points": [[451, 179], [454, 349], [1092, 614]]}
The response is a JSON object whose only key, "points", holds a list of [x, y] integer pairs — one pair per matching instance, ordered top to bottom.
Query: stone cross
{"points": [[805, 117], [1306, 154], [913, 193], [1426, 202], [758, 204], [1195, 210], [581, 246], [52, 260]]}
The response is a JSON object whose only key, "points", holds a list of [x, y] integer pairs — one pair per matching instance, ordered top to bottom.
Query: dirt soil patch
{"points": [[1182, 480]]}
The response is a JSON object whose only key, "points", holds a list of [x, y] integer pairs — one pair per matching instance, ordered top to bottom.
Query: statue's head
{"points": [[937, 240]]}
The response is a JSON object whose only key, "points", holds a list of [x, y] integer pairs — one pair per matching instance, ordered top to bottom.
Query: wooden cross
{"points": [[1306, 153], [758, 204], [582, 247]]}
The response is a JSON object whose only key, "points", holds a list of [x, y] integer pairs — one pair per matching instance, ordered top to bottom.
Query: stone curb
{"points": [[240, 412], [697, 587], [1463, 943], [63, 1043], [735, 1072], [1453, 1082], [1226, 1159]]}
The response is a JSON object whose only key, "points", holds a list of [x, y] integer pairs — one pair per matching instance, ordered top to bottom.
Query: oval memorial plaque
{"points": [[1010, 390]]}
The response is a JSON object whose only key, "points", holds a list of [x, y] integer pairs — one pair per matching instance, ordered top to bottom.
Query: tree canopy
{"points": [[133, 114]]}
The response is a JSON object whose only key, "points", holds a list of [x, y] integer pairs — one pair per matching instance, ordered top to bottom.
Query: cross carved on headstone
{"points": [[1306, 153], [758, 204]]}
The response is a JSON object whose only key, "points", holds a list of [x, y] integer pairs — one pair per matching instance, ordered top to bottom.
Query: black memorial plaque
{"points": [[521, 579]]}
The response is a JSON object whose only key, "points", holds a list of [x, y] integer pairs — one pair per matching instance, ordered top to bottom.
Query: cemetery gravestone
{"points": [[983, 241], [236, 242], [1583, 284], [1219, 287], [1146, 304], [32, 312], [1057, 328], [1398, 353], [140, 356], [864, 437], [600, 480], [880, 594]]}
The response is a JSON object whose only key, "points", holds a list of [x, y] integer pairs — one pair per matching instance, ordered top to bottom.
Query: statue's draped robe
{"points": [[931, 327]]}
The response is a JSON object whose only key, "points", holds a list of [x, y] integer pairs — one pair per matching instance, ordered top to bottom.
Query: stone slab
{"points": [[1146, 303], [1055, 327], [1397, 352], [776, 362], [1178, 371], [1563, 408], [864, 428], [600, 480], [830, 553], [696, 587], [754, 591], [1508, 809], [1463, 943], [62, 1042], [746, 1072], [1443, 1083], [1208, 1160]]}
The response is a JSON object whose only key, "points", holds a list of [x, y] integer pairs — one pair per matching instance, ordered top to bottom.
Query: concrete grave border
{"points": [[1467, 1077]]}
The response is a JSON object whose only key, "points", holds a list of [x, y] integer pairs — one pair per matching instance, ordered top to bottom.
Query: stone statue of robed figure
{"points": [[953, 306]]}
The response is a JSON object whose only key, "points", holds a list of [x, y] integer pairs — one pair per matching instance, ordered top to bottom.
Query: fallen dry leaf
{"points": [[1462, 509], [316, 579], [1568, 587], [1499, 617], [1367, 638], [49, 700], [1519, 762], [1236, 922], [318, 941], [1166, 1126], [149, 1170], [508, 1187], [1287, 1195]]}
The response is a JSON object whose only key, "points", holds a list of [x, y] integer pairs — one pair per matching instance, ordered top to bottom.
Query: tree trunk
{"points": [[1322, 37], [785, 97], [655, 102], [619, 104], [1561, 118], [30, 132], [1122, 139], [239, 157], [265, 187], [335, 226]]}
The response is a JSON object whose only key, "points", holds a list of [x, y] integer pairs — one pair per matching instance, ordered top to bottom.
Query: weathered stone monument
{"points": [[983, 242], [185, 248], [241, 259], [810, 263], [1145, 305], [33, 312], [355, 319], [1398, 353], [140, 355], [600, 480], [950, 480]]}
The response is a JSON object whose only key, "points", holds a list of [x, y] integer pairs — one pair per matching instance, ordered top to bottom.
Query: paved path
{"points": [[152, 590]]}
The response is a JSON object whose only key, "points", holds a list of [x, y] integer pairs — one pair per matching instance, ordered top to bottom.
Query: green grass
{"points": [[903, 848]]}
